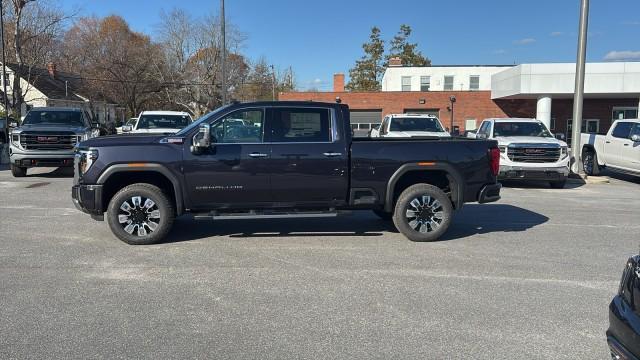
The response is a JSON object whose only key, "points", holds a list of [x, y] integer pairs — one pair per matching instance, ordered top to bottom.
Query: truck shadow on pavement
{"points": [[475, 219], [471, 220]]}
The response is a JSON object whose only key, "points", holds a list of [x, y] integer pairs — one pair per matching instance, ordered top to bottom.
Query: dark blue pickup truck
{"points": [[279, 159]]}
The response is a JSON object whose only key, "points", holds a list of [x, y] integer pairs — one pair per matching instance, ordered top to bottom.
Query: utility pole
{"points": [[223, 60], [4, 74], [273, 83], [578, 97]]}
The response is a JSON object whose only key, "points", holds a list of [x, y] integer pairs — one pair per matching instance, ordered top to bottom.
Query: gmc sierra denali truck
{"points": [[47, 137], [618, 150], [279, 159]]}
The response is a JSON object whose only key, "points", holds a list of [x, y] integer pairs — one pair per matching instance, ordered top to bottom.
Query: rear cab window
{"points": [[296, 125]]}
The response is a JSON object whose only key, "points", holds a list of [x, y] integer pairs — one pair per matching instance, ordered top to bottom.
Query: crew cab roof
{"points": [[67, 109], [159, 112], [416, 115], [513, 120]]}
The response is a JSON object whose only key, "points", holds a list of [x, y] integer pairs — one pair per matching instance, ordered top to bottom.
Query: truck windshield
{"points": [[64, 118], [163, 121], [415, 124], [520, 129]]}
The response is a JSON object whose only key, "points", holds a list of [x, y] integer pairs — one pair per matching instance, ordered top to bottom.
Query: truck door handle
{"points": [[607, 142], [626, 144], [332, 154], [258, 155]]}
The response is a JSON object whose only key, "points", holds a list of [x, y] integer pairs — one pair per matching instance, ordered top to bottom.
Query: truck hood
{"points": [[49, 128], [155, 131], [417, 134], [121, 140], [507, 140]]}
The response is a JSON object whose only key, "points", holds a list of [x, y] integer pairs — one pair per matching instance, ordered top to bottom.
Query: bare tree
{"points": [[35, 28]]}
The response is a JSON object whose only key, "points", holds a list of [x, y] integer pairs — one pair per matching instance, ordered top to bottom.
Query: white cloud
{"points": [[556, 33], [525, 41], [499, 52], [622, 56], [317, 81]]}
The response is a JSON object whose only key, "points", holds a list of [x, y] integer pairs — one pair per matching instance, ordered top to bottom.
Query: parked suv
{"points": [[158, 122], [410, 125], [47, 137], [528, 150], [279, 159], [623, 335]]}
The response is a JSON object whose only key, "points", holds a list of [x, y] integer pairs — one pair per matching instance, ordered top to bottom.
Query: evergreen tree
{"points": [[406, 51], [368, 71]]}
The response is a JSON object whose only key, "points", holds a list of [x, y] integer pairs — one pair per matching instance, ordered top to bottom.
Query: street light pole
{"points": [[223, 59], [4, 73], [578, 97], [452, 99]]}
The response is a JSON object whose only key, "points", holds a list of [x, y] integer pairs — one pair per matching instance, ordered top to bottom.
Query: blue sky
{"points": [[319, 38]]}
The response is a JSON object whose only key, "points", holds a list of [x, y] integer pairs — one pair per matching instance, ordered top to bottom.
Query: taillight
{"points": [[494, 160]]}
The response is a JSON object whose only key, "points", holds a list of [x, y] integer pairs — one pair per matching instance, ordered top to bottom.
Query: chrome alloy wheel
{"points": [[425, 214], [140, 215]]}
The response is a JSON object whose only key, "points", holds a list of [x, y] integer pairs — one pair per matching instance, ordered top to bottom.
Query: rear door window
{"points": [[300, 125]]}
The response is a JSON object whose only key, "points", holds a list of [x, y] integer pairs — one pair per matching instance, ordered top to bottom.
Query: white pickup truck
{"points": [[158, 122], [409, 125], [528, 150], [619, 150]]}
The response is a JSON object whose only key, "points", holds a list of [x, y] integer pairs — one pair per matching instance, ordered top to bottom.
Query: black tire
{"points": [[590, 163], [18, 171], [558, 184], [383, 215], [420, 227], [144, 228]]}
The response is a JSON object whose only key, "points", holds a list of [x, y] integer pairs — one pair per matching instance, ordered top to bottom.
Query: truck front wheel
{"points": [[18, 171], [423, 213], [140, 214]]}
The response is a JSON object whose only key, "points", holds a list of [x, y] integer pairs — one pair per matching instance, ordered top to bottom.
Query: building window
{"points": [[474, 82], [406, 83], [425, 83], [448, 83], [621, 113], [470, 124], [552, 125]]}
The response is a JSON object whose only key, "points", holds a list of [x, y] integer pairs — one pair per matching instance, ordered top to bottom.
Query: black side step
{"points": [[217, 215]]}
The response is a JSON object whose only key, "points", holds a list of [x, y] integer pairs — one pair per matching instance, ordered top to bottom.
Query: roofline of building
{"points": [[457, 65]]}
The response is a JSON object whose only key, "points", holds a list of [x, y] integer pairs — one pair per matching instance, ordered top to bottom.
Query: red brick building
{"points": [[605, 99]]}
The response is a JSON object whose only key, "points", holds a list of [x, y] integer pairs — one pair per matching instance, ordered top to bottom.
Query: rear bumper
{"points": [[533, 173], [489, 193], [88, 198]]}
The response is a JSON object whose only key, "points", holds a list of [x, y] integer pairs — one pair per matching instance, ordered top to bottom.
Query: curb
{"points": [[588, 180]]}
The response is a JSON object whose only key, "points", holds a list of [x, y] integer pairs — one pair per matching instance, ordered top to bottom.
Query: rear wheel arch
{"points": [[441, 175], [119, 176]]}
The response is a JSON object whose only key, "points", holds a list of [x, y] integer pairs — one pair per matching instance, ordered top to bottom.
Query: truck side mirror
{"points": [[13, 124], [127, 128], [560, 136], [635, 138], [202, 140]]}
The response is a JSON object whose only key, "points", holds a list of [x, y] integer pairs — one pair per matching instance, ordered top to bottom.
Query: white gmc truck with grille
{"points": [[528, 150]]}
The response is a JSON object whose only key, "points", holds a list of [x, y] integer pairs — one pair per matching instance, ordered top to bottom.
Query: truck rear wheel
{"points": [[590, 163], [18, 171], [423, 213], [140, 214]]}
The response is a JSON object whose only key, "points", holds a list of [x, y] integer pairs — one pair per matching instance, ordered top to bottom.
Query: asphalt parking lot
{"points": [[528, 277]]}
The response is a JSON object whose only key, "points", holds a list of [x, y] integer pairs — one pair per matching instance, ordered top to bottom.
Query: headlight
{"points": [[15, 139], [563, 152], [85, 158]]}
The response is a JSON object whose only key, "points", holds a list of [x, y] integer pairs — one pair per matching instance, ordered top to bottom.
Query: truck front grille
{"points": [[47, 141], [534, 154]]}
